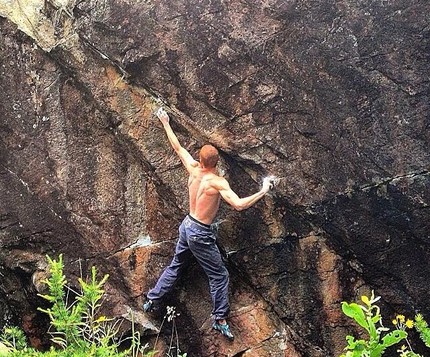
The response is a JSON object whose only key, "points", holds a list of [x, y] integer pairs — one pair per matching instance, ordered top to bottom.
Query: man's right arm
{"points": [[183, 154], [241, 203]]}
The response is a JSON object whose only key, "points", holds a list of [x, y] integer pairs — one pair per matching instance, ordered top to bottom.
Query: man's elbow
{"points": [[240, 207]]}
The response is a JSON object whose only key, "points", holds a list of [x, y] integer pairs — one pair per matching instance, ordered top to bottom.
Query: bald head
{"points": [[208, 156]]}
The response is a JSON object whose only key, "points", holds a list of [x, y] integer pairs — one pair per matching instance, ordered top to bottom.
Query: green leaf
{"points": [[47, 297], [355, 311], [372, 329], [394, 337], [390, 339]]}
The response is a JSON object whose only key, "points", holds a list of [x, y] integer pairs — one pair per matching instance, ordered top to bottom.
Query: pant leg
{"points": [[202, 243], [171, 274]]}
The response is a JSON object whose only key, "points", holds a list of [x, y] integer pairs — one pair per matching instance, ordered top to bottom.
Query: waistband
{"points": [[198, 222]]}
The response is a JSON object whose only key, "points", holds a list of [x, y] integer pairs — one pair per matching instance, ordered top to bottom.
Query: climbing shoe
{"points": [[148, 306], [224, 329]]}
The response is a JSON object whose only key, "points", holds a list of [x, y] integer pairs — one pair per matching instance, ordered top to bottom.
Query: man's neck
{"points": [[207, 170]]}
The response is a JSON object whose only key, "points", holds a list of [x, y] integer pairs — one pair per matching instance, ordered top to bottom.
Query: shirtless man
{"points": [[195, 234]]}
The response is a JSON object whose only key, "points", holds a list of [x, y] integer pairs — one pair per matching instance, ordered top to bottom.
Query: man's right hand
{"points": [[162, 115]]}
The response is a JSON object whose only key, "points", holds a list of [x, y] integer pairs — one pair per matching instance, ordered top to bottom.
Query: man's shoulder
{"points": [[219, 182]]}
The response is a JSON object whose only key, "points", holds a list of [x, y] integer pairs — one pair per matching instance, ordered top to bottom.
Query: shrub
{"points": [[368, 316], [76, 329], [423, 329], [379, 338]]}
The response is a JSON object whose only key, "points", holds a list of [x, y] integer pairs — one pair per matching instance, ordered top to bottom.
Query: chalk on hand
{"points": [[161, 112], [273, 180]]}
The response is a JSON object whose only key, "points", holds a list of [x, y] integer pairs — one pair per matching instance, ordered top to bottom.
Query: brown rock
{"points": [[330, 96]]}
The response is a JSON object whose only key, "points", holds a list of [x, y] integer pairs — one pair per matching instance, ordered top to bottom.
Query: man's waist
{"points": [[195, 220]]}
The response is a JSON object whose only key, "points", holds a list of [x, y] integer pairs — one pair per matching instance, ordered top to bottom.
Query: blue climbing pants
{"points": [[198, 239]]}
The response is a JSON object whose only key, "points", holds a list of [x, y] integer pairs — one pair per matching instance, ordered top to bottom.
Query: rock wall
{"points": [[332, 97]]}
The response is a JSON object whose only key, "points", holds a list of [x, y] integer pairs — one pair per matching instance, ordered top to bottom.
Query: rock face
{"points": [[332, 97]]}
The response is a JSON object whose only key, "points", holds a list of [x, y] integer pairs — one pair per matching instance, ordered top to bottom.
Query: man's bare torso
{"points": [[203, 194]]}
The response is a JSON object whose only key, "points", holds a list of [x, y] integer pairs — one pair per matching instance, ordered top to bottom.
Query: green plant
{"points": [[368, 316], [64, 320], [402, 324], [77, 327], [422, 327], [13, 339], [136, 348]]}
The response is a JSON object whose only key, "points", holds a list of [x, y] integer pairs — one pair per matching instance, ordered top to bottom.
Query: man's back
{"points": [[203, 194]]}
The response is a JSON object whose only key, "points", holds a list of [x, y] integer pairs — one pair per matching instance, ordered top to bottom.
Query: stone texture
{"points": [[332, 97]]}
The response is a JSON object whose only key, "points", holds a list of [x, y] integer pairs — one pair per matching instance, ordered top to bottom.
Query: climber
{"points": [[196, 237]]}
